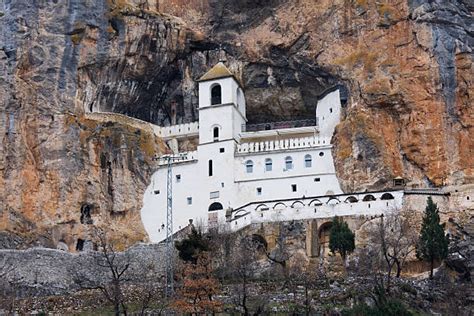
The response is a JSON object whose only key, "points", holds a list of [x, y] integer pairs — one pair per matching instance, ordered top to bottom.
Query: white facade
{"points": [[232, 168]]}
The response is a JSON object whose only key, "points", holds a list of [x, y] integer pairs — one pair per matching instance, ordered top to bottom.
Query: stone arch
{"points": [[387, 196], [368, 198], [351, 199], [333, 201], [315, 202], [297, 204], [216, 206], [279, 206], [261, 207], [240, 213], [323, 238], [255, 241]]}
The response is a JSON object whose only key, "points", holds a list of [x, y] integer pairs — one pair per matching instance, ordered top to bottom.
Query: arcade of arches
{"points": [[306, 236]]}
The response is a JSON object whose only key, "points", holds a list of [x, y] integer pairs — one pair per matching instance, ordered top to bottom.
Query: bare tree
{"points": [[395, 239], [243, 264], [113, 265], [117, 267], [304, 277]]}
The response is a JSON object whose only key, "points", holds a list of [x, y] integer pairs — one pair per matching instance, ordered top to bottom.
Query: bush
{"points": [[389, 308]]}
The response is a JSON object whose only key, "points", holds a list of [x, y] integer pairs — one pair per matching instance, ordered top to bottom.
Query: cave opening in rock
{"points": [[86, 214], [80, 244]]}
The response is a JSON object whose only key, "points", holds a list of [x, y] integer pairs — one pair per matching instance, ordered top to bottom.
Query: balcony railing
{"points": [[279, 125]]}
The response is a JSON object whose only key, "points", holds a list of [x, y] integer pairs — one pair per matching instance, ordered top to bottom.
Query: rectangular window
{"points": [[221, 150], [268, 164], [210, 168], [178, 178], [317, 179], [222, 184], [293, 187], [156, 191], [259, 191], [214, 195], [190, 200]]}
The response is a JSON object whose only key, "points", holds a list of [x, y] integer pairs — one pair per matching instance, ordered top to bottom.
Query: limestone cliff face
{"points": [[406, 66]]}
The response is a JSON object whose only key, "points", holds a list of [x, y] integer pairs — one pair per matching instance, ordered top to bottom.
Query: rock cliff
{"points": [[406, 67]]}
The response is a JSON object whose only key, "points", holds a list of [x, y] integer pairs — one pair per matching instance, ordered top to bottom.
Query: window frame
{"points": [[215, 98], [308, 161], [289, 163], [268, 165], [249, 166], [210, 168]]}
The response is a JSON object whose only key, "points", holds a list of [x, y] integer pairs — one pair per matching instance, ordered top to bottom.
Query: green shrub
{"points": [[389, 308]]}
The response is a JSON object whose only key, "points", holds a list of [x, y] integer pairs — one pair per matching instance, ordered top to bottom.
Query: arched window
{"points": [[216, 94], [215, 133], [308, 161], [288, 163], [268, 164], [249, 166], [210, 168], [387, 196], [368, 198], [351, 199], [216, 206]]}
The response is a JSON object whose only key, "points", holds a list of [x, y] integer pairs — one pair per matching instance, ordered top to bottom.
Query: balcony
{"points": [[279, 125]]}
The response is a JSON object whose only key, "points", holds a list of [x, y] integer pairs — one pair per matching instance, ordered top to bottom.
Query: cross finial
{"points": [[222, 57]]}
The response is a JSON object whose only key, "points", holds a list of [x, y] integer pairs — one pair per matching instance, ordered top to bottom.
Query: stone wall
{"points": [[41, 271]]}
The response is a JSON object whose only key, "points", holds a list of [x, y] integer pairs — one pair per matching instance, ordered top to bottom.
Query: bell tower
{"points": [[221, 105], [221, 117]]}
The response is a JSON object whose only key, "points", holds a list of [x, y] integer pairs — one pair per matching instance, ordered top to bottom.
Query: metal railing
{"points": [[279, 125]]}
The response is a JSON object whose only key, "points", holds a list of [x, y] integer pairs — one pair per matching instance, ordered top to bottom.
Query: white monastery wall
{"points": [[328, 113], [180, 130], [216, 184], [154, 201], [316, 207]]}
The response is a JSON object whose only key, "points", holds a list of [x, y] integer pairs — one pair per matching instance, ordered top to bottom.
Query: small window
{"points": [[216, 94], [330, 110], [215, 133], [221, 150], [321, 154], [307, 161], [288, 163], [268, 164], [249, 166], [210, 168], [178, 178], [317, 179], [222, 184], [293, 188], [156, 191], [259, 191], [214, 195], [190, 200]]}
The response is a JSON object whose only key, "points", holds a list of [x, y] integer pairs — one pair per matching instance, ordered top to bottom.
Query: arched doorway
{"points": [[216, 206], [213, 216], [323, 236]]}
